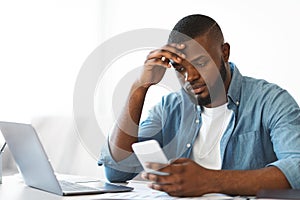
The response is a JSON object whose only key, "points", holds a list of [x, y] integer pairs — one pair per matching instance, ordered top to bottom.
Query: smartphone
{"points": [[150, 151]]}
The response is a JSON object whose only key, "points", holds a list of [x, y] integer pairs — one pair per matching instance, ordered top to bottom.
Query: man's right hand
{"points": [[158, 61], [125, 132]]}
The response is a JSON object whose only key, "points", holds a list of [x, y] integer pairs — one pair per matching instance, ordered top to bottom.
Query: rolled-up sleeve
{"points": [[153, 127], [285, 136], [288, 167], [118, 171]]}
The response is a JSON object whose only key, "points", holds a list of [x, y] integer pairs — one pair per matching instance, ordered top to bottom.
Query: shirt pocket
{"points": [[250, 150]]}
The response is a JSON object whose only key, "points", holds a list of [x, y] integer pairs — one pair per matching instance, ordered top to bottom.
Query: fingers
{"points": [[169, 51], [163, 55], [163, 61], [156, 166], [175, 166], [173, 173], [183, 174], [162, 179], [170, 184], [171, 189]]}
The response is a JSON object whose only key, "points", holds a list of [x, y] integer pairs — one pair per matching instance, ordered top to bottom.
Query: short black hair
{"points": [[193, 26]]}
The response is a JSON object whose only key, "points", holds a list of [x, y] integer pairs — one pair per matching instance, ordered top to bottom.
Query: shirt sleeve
{"points": [[284, 125], [128, 168], [118, 171]]}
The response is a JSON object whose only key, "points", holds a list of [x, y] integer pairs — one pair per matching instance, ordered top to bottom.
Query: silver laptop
{"points": [[36, 169]]}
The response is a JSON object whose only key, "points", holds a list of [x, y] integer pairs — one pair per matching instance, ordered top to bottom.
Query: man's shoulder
{"points": [[243, 81], [248, 84], [260, 85], [250, 89], [262, 92], [175, 96], [176, 99]]}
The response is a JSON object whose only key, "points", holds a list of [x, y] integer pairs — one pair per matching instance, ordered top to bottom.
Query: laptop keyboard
{"points": [[69, 186]]}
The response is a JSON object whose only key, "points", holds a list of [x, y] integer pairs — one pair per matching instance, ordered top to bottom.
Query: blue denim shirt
{"points": [[264, 130]]}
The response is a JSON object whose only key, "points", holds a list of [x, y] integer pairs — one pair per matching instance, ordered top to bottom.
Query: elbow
{"points": [[114, 175]]}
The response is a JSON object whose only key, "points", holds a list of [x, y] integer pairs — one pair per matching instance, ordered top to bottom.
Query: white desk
{"points": [[13, 188]]}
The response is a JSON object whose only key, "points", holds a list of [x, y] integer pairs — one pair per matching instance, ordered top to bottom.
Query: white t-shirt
{"points": [[206, 149]]}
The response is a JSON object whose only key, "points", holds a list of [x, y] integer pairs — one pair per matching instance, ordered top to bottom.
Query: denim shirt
{"points": [[263, 131]]}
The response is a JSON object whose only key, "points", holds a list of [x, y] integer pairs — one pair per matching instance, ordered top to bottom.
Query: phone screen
{"points": [[150, 151]]}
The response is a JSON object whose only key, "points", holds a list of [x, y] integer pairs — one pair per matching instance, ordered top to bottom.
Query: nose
{"points": [[191, 74]]}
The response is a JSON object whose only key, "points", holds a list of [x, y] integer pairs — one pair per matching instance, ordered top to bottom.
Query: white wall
{"points": [[264, 35], [43, 45]]}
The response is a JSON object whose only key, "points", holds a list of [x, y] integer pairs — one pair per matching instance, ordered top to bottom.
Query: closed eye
{"points": [[200, 64]]}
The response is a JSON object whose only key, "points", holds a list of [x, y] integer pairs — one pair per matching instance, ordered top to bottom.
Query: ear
{"points": [[226, 51]]}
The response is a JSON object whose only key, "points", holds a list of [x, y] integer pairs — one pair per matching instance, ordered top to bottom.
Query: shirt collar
{"points": [[234, 91]]}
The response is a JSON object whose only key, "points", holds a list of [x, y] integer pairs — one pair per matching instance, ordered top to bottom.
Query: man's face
{"points": [[203, 73]]}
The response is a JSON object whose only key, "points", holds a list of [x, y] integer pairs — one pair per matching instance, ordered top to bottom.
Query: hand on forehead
{"points": [[195, 48]]}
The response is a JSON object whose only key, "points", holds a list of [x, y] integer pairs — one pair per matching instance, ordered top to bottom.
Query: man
{"points": [[230, 134]]}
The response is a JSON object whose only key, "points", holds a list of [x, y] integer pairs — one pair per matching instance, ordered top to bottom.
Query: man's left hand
{"points": [[186, 178]]}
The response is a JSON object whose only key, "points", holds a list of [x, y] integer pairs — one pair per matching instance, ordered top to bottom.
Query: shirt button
{"points": [[237, 103], [197, 121], [188, 145]]}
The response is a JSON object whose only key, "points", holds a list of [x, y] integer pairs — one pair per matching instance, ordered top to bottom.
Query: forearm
{"points": [[125, 131], [249, 182]]}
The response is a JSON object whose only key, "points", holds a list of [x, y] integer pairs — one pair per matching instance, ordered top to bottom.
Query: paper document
{"points": [[141, 191]]}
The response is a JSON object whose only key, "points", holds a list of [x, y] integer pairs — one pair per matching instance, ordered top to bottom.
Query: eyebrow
{"points": [[200, 57]]}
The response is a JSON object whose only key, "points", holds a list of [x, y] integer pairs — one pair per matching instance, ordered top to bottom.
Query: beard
{"points": [[214, 92]]}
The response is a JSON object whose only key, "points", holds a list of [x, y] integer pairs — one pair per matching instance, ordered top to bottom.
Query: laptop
{"points": [[36, 169]]}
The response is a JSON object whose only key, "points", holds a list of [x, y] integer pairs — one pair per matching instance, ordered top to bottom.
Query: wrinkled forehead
{"points": [[195, 48]]}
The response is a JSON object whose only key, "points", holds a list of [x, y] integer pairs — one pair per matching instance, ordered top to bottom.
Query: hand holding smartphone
{"points": [[150, 151]]}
